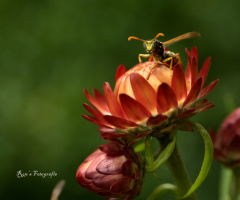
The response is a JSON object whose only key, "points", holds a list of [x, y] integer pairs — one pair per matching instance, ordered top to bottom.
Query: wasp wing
{"points": [[181, 37]]}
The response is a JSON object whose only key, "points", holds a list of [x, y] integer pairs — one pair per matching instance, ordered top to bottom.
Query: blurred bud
{"points": [[227, 141], [112, 171]]}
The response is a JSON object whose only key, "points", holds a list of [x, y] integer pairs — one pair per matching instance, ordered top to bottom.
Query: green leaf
{"points": [[139, 147], [148, 151], [163, 157], [207, 161], [162, 189]]}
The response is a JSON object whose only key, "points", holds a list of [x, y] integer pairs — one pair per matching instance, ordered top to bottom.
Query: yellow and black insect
{"points": [[156, 49]]}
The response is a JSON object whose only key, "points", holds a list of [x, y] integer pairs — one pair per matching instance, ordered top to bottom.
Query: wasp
{"points": [[158, 51]]}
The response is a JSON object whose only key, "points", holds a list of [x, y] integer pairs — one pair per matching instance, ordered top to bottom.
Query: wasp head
{"points": [[150, 46]]}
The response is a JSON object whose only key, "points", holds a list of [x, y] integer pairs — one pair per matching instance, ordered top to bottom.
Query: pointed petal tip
{"points": [[120, 71], [178, 83], [194, 92]]}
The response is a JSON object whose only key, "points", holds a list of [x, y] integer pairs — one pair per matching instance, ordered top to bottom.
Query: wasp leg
{"points": [[143, 56], [171, 59], [151, 70]]}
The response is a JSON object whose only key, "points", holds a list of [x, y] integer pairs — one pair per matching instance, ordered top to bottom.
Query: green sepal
{"points": [[148, 151], [163, 157], [207, 161], [162, 189]]}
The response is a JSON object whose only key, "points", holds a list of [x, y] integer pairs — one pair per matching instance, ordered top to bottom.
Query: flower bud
{"points": [[227, 141], [112, 171]]}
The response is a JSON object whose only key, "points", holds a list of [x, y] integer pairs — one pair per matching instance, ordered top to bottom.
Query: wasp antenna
{"points": [[159, 34], [135, 38]]}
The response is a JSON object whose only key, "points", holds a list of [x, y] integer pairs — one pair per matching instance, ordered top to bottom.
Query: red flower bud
{"points": [[227, 140], [112, 171]]}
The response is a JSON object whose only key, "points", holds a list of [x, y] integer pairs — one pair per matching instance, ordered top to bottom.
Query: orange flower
{"points": [[151, 97]]}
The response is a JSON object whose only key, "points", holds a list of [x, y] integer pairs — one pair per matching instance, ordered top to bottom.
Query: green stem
{"points": [[178, 171], [225, 183], [235, 193]]}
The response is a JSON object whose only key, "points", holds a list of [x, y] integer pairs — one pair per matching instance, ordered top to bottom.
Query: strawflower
{"points": [[150, 98], [227, 141], [113, 171]]}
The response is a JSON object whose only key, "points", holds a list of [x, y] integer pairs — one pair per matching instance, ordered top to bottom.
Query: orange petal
{"points": [[120, 71], [204, 71], [178, 84], [207, 89], [143, 92], [193, 94], [166, 99], [112, 102], [133, 109], [120, 122]]}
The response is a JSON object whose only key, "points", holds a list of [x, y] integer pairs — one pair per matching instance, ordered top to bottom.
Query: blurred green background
{"points": [[51, 49]]}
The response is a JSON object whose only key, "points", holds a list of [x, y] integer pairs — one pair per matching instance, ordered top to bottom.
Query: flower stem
{"points": [[178, 171], [225, 183], [236, 184]]}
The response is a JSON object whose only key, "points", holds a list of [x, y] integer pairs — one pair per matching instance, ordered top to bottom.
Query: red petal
{"points": [[194, 53], [192, 68], [188, 69], [120, 71], [194, 71], [204, 71], [178, 84], [207, 89], [143, 92], [193, 94], [100, 98], [166, 99], [112, 102], [97, 104], [205, 107], [133, 109], [95, 113], [186, 113], [94, 120], [156, 120], [120, 122], [185, 125], [110, 136], [112, 149], [93, 155], [111, 165], [130, 169], [91, 171], [124, 185]]}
